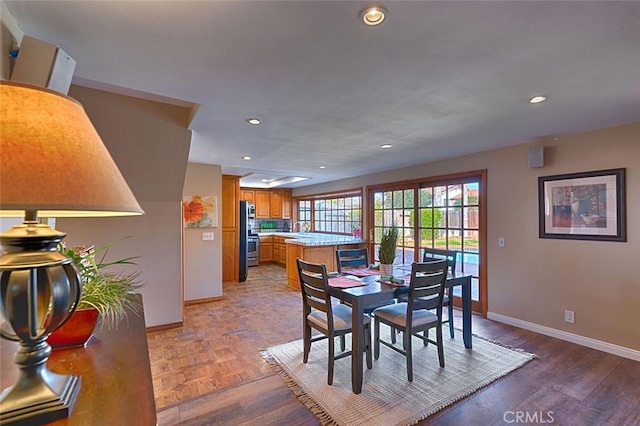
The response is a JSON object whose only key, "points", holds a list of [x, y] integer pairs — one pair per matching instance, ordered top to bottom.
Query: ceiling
{"points": [[435, 80]]}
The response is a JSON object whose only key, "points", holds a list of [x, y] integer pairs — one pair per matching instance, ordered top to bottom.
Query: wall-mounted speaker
{"points": [[43, 64], [536, 156]]}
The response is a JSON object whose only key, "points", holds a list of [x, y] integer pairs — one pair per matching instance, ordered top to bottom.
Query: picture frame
{"points": [[583, 206], [200, 211]]}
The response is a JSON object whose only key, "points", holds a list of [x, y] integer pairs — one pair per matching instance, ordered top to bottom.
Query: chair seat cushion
{"points": [[397, 314], [341, 318]]}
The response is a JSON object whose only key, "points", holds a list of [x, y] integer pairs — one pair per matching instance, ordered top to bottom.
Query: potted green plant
{"points": [[387, 251], [105, 295]]}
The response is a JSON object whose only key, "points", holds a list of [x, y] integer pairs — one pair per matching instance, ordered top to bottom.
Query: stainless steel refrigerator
{"points": [[244, 233]]}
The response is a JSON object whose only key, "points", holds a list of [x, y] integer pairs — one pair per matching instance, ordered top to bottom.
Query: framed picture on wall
{"points": [[583, 206], [200, 211]]}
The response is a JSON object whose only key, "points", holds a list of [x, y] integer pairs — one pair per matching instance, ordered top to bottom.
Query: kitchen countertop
{"points": [[314, 239]]}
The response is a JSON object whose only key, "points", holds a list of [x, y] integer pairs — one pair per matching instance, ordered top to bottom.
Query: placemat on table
{"points": [[345, 282]]}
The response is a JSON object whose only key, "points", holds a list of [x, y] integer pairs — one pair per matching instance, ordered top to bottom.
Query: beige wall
{"points": [[150, 145], [203, 259], [535, 280]]}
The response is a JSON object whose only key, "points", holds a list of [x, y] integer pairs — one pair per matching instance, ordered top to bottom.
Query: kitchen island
{"points": [[315, 248]]}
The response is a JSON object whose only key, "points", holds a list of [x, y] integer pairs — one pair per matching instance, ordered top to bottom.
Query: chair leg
{"points": [[450, 311], [425, 333], [393, 334], [376, 339], [307, 343], [342, 343], [367, 345], [440, 346], [408, 354], [331, 360]]}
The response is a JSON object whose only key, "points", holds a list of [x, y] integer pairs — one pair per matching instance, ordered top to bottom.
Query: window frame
{"points": [[336, 202]]}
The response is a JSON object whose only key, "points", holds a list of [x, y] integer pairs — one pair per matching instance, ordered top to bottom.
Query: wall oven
{"points": [[253, 250]]}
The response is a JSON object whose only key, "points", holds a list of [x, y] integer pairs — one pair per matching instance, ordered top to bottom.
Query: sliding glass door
{"points": [[446, 212]]}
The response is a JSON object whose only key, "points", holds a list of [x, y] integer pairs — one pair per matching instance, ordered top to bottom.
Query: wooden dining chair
{"points": [[430, 254], [352, 259], [357, 259], [320, 314], [415, 315]]}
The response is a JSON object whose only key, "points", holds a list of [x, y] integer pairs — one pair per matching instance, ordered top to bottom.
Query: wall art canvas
{"points": [[586, 206], [200, 211]]}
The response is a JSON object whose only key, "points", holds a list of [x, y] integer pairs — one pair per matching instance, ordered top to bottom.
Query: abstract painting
{"points": [[200, 211]]}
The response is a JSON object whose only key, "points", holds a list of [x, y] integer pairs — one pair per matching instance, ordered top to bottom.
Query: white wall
{"points": [[203, 259]]}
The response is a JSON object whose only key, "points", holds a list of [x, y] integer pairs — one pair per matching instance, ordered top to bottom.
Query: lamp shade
{"points": [[52, 159]]}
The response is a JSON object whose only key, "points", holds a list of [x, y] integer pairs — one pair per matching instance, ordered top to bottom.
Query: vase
{"points": [[386, 269], [76, 331]]}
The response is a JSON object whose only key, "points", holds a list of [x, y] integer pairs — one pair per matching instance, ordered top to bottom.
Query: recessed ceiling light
{"points": [[373, 15], [537, 99], [254, 121], [386, 146], [246, 157], [322, 167]]}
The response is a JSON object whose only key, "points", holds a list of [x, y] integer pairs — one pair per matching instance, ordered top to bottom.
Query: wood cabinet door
{"points": [[248, 195], [262, 204], [275, 204], [287, 204], [230, 206], [230, 223], [230, 251], [266, 252], [283, 254]]}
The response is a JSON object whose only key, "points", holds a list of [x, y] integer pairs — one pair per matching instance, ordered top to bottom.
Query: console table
{"points": [[116, 386]]}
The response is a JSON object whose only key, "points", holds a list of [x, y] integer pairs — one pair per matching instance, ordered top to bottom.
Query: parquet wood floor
{"points": [[210, 372]]}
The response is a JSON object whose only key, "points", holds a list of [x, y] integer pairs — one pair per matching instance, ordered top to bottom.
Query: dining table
{"points": [[369, 289]]}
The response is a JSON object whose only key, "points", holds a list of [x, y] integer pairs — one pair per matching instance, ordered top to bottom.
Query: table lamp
{"points": [[52, 164]]}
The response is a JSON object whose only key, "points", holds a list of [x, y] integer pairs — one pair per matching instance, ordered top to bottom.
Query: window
{"points": [[443, 212], [336, 213]]}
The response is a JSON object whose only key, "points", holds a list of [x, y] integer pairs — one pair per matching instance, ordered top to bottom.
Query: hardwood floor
{"points": [[210, 372]]}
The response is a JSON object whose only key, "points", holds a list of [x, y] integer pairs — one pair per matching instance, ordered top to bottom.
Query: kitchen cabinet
{"points": [[248, 195], [270, 203], [262, 204], [275, 204], [287, 204], [230, 225], [266, 249], [279, 250], [282, 255]]}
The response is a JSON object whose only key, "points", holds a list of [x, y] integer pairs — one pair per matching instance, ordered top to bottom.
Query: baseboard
{"points": [[204, 300], [164, 326], [569, 337]]}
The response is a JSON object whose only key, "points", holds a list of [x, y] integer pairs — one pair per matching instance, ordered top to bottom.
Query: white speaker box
{"points": [[43, 64], [536, 156]]}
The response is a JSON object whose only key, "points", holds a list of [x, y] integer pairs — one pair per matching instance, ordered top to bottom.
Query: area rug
{"points": [[387, 397]]}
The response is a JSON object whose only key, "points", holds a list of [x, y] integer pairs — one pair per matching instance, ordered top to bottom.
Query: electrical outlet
{"points": [[207, 236], [501, 242], [569, 317]]}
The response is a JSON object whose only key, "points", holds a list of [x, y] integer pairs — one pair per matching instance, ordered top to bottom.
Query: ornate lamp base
{"points": [[39, 289], [44, 402]]}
